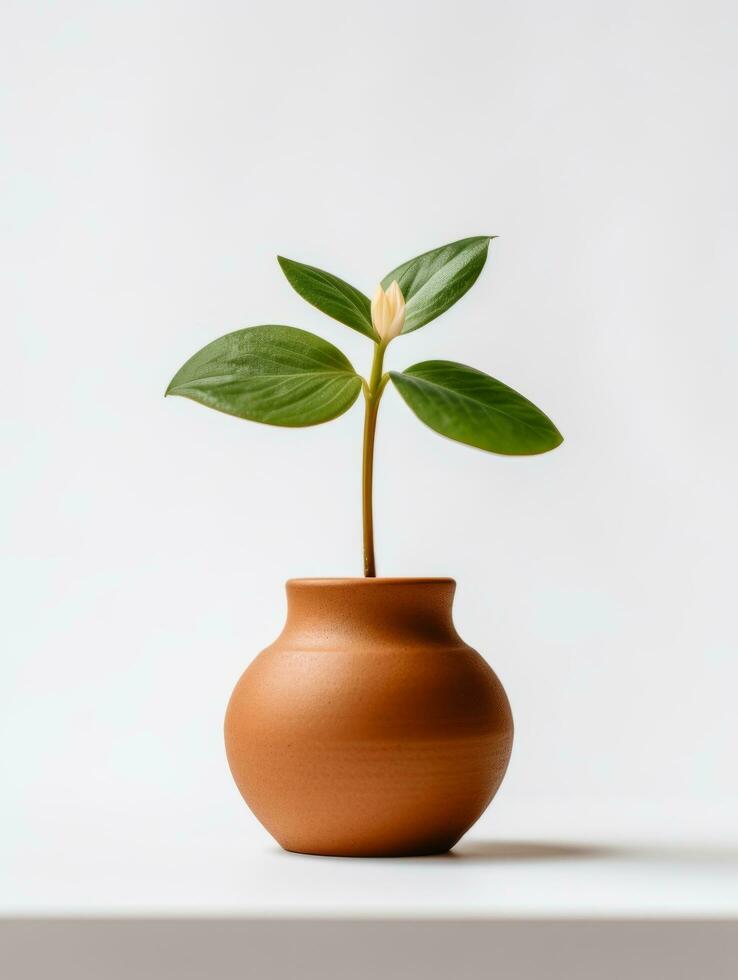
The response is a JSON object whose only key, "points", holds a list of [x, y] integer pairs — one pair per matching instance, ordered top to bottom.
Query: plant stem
{"points": [[372, 395]]}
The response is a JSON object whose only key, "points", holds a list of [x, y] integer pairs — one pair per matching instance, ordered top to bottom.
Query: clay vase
{"points": [[368, 728]]}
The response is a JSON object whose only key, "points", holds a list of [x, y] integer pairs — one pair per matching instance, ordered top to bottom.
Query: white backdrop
{"points": [[156, 157]]}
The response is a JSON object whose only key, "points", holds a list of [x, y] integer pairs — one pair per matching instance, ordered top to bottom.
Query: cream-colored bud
{"points": [[388, 312]]}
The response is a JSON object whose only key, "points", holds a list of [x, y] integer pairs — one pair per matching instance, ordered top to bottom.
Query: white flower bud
{"points": [[388, 312]]}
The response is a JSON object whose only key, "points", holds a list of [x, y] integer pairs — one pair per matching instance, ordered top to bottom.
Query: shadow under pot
{"points": [[368, 728]]}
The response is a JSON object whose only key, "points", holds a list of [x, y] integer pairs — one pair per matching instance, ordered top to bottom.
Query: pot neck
{"points": [[328, 614]]}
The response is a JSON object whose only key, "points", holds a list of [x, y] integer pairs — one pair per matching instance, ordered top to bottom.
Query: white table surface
{"points": [[577, 859]]}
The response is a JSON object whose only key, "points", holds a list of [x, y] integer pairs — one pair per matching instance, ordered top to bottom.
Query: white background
{"points": [[156, 157]]}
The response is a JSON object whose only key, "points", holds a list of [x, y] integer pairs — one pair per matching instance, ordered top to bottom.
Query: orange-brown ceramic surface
{"points": [[369, 727]]}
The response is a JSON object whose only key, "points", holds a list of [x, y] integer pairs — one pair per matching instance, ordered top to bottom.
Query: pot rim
{"points": [[319, 581]]}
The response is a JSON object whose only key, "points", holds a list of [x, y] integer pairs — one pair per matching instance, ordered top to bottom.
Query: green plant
{"points": [[285, 376]]}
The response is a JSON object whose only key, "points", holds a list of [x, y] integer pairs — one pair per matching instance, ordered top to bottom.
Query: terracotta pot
{"points": [[368, 727]]}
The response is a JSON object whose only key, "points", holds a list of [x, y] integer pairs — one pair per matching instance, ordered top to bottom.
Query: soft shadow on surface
{"points": [[501, 850], [511, 850]]}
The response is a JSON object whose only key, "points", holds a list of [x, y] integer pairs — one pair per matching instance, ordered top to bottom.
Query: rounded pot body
{"points": [[369, 727]]}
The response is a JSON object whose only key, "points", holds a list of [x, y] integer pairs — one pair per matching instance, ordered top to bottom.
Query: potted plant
{"points": [[368, 727]]}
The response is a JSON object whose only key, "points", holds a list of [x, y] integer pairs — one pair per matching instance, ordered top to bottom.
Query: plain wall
{"points": [[156, 157]]}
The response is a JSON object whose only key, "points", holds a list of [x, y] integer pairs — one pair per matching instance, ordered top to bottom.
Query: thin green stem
{"points": [[372, 395]]}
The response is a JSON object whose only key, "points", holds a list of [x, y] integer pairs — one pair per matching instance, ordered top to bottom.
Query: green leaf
{"points": [[434, 281], [330, 295], [273, 374], [469, 406]]}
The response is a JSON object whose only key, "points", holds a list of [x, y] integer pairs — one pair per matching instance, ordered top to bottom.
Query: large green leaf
{"points": [[434, 281], [330, 295], [273, 374], [469, 406]]}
